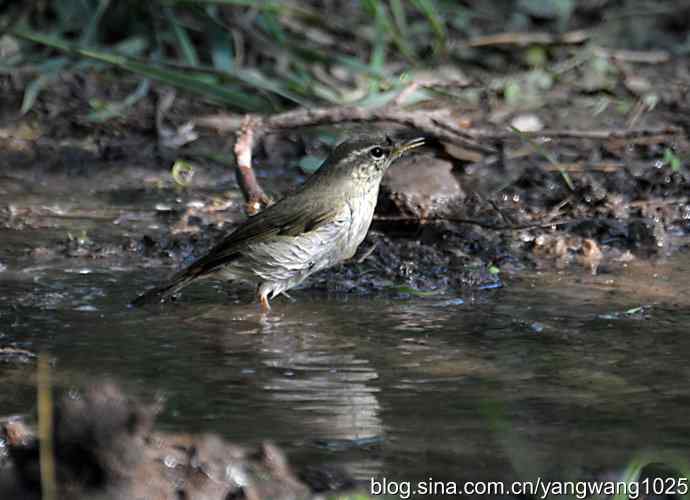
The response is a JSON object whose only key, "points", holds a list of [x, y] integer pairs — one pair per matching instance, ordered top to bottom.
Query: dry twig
{"points": [[522, 39], [635, 56], [438, 123], [601, 135], [255, 196], [485, 225]]}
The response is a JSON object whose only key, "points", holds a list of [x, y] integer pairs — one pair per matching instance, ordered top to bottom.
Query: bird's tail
{"points": [[163, 292]]}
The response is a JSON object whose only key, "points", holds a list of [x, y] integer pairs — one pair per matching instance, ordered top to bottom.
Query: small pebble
{"points": [[86, 308], [537, 327]]}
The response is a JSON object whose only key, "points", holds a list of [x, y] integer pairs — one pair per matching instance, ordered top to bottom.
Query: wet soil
{"points": [[446, 219], [106, 447]]}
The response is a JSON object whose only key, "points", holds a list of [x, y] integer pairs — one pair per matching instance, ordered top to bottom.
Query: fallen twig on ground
{"points": [[522, 39], [634, 56], [431, 84], [438, 123], [602, 134], [585, 166], [658, 202], [485, 225]]}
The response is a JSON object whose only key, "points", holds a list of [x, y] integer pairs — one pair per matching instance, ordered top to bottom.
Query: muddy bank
{"points": [[448, 218], [429, 233], [105, 446]]}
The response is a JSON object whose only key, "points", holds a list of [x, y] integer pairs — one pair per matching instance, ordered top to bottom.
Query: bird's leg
{"points": [[263, 300]]}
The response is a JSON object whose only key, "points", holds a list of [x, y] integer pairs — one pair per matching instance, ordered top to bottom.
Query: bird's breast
{"points": [[361, 214]]}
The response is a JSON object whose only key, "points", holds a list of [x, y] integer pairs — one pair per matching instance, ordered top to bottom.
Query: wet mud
{"points": [[105, 446]]}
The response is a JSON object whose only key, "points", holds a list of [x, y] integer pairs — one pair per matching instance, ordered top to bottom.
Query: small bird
{"points": [[316, 227]]}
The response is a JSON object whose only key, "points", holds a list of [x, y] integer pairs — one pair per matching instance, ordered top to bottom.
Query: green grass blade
{"points": [[261, 5], [398, 11], [68, 14], [270, 24], [438, 25], [89, 33], [401, 34], [183, 41], [133, 46], [221, 50], [378, 53], [49, 72], [257, 80], [199, 84], [33, 89], [115, 109], [540, 149], [636, 465], [631, 475]]}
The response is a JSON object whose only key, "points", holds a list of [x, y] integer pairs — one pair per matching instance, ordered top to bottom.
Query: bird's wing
{"points": [[280, 219], [273, 221]]}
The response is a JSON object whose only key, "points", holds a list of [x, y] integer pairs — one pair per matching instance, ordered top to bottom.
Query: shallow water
{"points": [[548, 376]]}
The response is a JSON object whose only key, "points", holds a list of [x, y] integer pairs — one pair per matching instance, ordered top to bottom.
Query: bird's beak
{"points": [[403, 148]]}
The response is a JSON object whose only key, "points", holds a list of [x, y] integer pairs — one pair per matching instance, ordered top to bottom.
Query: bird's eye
{"points": [[377, 153]]}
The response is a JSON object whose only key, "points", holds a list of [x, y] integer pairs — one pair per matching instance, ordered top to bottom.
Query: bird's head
{"points": [[366, 159]]}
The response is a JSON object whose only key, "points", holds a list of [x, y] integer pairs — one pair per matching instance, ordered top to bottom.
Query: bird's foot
{"points": [[263, 302]]}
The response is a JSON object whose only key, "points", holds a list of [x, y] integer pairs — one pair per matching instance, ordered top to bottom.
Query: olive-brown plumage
{"points": [[319, 225]]}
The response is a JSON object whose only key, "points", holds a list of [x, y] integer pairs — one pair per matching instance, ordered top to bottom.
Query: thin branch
{"points": [[522, 39], [635, 56], [426, 121], [602, 134], [585, 166], [255, 196], [658, 202], [485, 225]]}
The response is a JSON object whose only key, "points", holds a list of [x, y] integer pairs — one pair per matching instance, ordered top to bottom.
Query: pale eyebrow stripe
{"points": [[354, 154]]}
